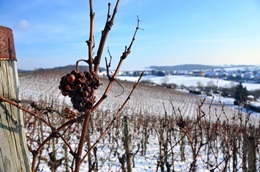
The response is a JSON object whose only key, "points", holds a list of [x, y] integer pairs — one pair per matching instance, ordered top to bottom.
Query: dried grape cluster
{"points": [[80, 86], [181, 123]]}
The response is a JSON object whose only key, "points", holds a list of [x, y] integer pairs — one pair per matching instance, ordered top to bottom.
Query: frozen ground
{"points": [[190, 81], [148, 102]]}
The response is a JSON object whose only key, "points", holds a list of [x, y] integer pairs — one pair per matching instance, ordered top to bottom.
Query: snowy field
{"points": [[189, 81], [155, 136]]}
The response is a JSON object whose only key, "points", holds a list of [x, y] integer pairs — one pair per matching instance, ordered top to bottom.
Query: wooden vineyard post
{"points": [[127, 144], [251, 154], [14, 155]]}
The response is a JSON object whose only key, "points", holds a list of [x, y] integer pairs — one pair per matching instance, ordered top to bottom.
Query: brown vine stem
{"points": [[107, 28], [91, 33], [113, 78], [36, 115], [117, 115], [51, 136], [65, 141], [82, 141], [35, 153]]}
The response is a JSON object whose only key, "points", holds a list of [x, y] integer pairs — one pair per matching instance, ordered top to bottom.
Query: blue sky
{"points": [[216, 32]]}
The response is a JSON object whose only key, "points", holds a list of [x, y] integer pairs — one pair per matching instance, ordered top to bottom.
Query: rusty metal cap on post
{"points": [[7, 51]]}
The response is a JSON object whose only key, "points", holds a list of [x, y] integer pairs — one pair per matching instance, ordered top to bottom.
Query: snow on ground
{"points": [[189, 81], [145, 100]]}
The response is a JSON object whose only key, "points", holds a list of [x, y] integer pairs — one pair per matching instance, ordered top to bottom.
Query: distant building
{"points": [[148, 72], [198, 73], [249, 76], [257, 76], [250, 98]]}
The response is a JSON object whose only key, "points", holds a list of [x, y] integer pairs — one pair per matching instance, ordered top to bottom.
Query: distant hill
{"points": [[71, 67], [186, 67], [190, 67], [67, 68], [20, 71]]}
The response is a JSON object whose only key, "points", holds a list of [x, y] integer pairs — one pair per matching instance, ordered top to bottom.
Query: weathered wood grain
{"points": [[14, 156]]}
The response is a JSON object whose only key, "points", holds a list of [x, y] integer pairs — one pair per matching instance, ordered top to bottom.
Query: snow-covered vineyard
{"points": [[170, 130]]}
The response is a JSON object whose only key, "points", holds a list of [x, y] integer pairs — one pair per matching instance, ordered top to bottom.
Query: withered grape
{"points": [[80, 86]]}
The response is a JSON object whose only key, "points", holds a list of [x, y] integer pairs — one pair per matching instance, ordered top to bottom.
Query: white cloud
{"points": [[24, 25]]}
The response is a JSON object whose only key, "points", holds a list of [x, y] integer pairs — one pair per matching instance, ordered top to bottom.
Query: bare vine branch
{"points": [[107, 28], [90, 42], [112, 79], [36, 115], [117, 115]]}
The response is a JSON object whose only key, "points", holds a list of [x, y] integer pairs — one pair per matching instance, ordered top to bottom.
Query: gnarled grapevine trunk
{"points": [[14, 156]]}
